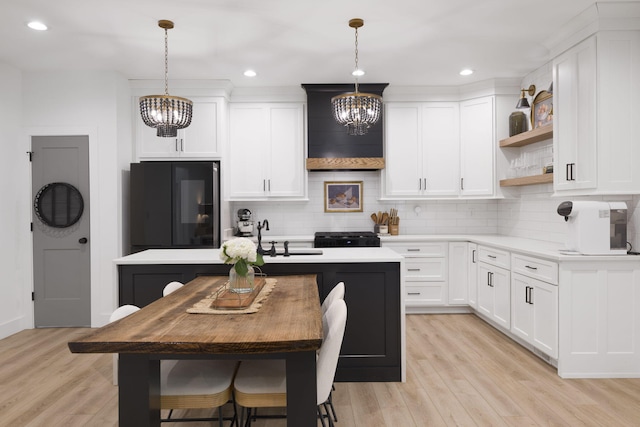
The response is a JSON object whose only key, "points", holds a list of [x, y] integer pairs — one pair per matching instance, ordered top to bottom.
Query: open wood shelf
{"points": [[526, 138], [527, 180]]}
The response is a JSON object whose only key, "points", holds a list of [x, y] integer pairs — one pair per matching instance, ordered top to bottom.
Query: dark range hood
{"points": [[330, 147]]}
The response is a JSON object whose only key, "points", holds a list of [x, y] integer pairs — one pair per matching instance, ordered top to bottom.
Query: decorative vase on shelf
{"points": [[517, 123], [240, 284]]}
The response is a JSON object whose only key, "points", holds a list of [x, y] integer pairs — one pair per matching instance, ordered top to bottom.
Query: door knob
{"points": [[83, 240]]}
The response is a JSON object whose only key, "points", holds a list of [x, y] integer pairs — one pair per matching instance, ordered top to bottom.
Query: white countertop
{"points": [[538, 248], [548, 250], [211, 256]]}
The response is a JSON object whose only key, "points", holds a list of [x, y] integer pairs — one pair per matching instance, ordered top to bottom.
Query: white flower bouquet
{"points": [[241, 252]]}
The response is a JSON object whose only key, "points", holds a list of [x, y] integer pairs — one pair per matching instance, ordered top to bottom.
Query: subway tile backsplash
{"points": [[530, 215]]}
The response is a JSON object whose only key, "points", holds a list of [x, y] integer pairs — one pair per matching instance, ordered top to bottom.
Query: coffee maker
{"points": [[245, 224], [595, 228]]}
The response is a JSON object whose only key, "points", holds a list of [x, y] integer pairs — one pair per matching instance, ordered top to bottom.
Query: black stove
{"points": [[342, 239]]}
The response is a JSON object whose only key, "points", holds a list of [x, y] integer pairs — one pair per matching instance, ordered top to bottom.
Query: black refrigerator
{"points": [[175, 205]]}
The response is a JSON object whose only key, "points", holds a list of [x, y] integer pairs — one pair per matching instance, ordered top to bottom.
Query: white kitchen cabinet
{"points": [[595, 111], [618, 112], [574, 117], [199, 140], [477, 147], [421, 149], [266, 152], [425, 273], [458, 273], [472, 274], [494, 286], [494, 294], [534, 313], [599, 319]]}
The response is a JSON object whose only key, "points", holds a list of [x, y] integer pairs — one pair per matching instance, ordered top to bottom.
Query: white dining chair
{"points": [[171, 287], [336, 293], [120, 313], [262, 383], [188, 384], [197, 384]]}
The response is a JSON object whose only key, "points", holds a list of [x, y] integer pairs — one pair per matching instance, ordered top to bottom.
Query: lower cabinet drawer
{"points": [[433, 249], [494, 256], [537, 268], [431, 269], [432, 293]]}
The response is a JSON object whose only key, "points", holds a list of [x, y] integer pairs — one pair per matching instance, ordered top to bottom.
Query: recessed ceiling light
{"points": [[36, 25], [466, 72], [250, 73], [358, 73]]}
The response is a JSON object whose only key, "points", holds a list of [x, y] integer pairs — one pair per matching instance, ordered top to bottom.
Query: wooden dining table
{"points": [[287, 326]]}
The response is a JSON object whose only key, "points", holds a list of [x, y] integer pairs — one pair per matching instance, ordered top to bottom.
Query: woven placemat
{"points": [[204, 306]]}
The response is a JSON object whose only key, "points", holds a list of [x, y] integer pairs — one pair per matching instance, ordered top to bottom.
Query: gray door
{"points": [[61, 257]]}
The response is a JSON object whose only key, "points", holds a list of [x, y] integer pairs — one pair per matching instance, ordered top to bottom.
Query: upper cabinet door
{"points": [[618, 112], [574, 123], [202, 137], [197, 141], [477, 142], [441, 148], [248, 150], [403, 150], [287, 174]]}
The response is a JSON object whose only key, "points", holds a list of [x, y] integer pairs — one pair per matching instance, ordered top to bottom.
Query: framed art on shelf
{"points": [[542, 109], [343, 196]]}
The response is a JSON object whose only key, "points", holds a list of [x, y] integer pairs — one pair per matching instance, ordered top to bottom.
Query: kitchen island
{"points": [[374, 344]]}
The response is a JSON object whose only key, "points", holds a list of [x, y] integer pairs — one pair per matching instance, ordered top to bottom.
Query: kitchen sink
{"points": [[300, 251]]}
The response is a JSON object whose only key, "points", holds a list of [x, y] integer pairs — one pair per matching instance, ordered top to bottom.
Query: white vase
{"points": [[241, 284]]}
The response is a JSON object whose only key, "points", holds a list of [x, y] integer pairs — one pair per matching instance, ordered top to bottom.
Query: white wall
{"points": [[97, 104], [14, 182], [534, 214], [436, 217]]}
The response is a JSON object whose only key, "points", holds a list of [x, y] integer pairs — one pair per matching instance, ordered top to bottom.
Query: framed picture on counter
{"points": [[542, 109], [343, 196]]}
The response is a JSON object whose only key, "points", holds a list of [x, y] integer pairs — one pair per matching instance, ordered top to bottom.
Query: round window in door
{"points": [[58, 205]]}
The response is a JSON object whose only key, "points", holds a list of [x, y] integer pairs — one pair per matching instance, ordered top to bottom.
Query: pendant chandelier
{"points": [[357, 111], [166, 113]]}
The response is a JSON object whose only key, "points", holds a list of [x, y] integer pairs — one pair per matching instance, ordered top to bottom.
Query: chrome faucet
{"points": [[260, 226]]}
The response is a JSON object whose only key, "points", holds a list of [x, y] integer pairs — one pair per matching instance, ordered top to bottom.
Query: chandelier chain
{"points": [[166, 61], [356, 76]]}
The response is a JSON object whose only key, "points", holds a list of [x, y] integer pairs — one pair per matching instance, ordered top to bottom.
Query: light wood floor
{"points": [[460, 372]]}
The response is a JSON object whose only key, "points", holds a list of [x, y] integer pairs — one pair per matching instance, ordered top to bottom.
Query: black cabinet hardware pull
{"points": [[413, 250], [473, 256], [492, 256], [531, 268], [413, 269], [413, 293]]}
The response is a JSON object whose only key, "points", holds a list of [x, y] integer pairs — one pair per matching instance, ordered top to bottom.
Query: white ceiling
{"points": [[288, 42]]}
